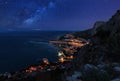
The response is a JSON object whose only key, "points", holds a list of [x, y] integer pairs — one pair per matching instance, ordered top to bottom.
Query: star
{"points": [[6, 2], [51, 5]]}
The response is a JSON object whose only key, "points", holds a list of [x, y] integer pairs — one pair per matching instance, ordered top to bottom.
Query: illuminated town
{"points": [[59, 40], [67, 50]]}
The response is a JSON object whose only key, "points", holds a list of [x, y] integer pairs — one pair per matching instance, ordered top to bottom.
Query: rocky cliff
{"points": [[104, 42], [102, 55]]}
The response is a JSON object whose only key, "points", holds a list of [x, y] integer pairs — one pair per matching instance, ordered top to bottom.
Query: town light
{"points": [[60, 54], [71, 57], [61, 59], [45, 60]]}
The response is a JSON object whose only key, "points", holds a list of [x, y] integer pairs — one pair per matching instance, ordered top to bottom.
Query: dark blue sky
{"points": [[55, 14]]}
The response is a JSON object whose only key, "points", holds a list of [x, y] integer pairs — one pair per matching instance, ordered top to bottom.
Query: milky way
{"points": [[39, 13], [54, 14]]}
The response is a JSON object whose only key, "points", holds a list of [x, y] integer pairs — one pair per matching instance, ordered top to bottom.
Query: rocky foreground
{"points": [[97, 61]]}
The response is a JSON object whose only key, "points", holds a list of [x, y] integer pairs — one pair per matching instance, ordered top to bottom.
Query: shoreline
{"points": [[63, 63]]}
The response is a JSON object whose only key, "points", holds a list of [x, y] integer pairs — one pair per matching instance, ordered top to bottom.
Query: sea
{"points": [[20, 49]]}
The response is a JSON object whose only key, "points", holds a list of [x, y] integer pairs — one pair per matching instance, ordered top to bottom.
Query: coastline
{"points": [[17, 52], [94, 59], [63, 64]]}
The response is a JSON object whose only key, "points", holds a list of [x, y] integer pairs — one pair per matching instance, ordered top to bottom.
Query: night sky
{"points": [[54, 14]]}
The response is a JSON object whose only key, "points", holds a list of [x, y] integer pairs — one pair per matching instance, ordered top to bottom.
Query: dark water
{"points": [[21, 49]]}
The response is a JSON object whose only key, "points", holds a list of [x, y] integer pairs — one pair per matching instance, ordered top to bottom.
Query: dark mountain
{"points": [[104, 41], [103, 51]]}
